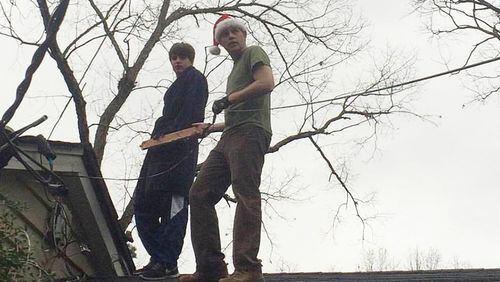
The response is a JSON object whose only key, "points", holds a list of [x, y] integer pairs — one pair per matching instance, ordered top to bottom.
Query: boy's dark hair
{"points": [[183, 50]]}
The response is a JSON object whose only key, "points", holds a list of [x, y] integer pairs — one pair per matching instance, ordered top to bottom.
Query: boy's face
{"points": [[233, 39], [180, 63]]}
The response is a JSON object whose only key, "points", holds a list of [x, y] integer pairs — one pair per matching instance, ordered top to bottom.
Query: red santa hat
{"points": [[225, 21]]}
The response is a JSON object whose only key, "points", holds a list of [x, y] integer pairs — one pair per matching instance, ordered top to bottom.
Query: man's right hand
{"points": [[220, 105]]}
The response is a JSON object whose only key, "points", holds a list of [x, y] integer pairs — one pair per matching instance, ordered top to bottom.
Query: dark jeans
{"points": [[237, 159], [161, 200], [162, 229]]}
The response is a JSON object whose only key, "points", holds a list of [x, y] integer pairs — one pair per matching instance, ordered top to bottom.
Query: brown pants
{"points": [[237, 159]]}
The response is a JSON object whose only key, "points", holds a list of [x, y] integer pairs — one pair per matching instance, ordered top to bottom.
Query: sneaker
{"points": [[144, 268], [158, 271], [244, 276]]}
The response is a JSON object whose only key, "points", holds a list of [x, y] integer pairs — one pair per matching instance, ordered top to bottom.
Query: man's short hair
{"points": [[182, 49]]}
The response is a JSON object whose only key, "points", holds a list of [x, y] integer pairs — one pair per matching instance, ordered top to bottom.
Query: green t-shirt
{"points": [[256, 110]]}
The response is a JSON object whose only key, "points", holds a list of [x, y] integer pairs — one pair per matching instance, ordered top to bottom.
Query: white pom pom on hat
{"points": [[225, 21], [215, 49]]}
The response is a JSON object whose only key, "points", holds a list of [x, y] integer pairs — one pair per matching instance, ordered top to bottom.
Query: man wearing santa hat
{"points": [[237, 160]]}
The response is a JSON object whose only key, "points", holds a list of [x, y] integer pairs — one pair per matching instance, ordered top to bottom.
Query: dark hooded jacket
{"points": [[171, 167]]}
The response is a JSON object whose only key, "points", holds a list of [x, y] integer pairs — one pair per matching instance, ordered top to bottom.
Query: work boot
{"points": [[214, 276], [244, 276], [195, 277], [198, 277]]}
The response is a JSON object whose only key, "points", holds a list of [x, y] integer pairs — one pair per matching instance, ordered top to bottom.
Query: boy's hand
{"points": [[220, 105]]}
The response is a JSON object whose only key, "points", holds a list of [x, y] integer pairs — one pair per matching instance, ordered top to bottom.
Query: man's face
{"points": [[233, 40], [180, 63]]}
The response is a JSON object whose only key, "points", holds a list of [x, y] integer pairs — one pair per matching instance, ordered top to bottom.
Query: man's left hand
{"points": [[201, 129]]}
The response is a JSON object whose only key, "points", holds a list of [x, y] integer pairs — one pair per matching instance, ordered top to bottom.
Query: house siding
{"points": [[88, 206]]}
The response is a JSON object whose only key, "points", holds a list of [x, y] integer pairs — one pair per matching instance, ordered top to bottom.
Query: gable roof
{"points": [[77, 165]]}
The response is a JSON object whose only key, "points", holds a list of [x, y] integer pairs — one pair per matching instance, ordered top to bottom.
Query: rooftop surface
{"points": [[427, 275]]}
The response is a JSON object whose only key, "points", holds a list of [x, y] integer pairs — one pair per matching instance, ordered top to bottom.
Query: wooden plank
{"points": [[194, 131]]}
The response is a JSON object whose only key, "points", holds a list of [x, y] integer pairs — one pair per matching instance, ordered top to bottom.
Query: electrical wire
{"points": [[349, 94], [342, 96], [16, 152], [46, 170], [58, 222]]}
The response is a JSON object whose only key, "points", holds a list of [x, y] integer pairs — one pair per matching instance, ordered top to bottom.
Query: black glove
{"points": [[220, 105], [156, 134]]}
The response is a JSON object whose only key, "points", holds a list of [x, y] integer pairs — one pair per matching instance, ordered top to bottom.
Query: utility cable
{"points": [[348, 95], [342, 96], [14, 135], [16, 152], [59, 217]]}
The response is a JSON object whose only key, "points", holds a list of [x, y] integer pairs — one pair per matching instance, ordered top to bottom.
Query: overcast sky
{"points": [[435, 184]]}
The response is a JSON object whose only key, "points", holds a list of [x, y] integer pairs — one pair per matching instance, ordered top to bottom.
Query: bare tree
{"points": [[477, 19], [112, 48], [417, 259], [432, 259], [378, 260], [424, 260], [458, 263]]}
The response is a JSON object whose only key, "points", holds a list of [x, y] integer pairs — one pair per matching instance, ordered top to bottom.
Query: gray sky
{"points": [[435, 183]]}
